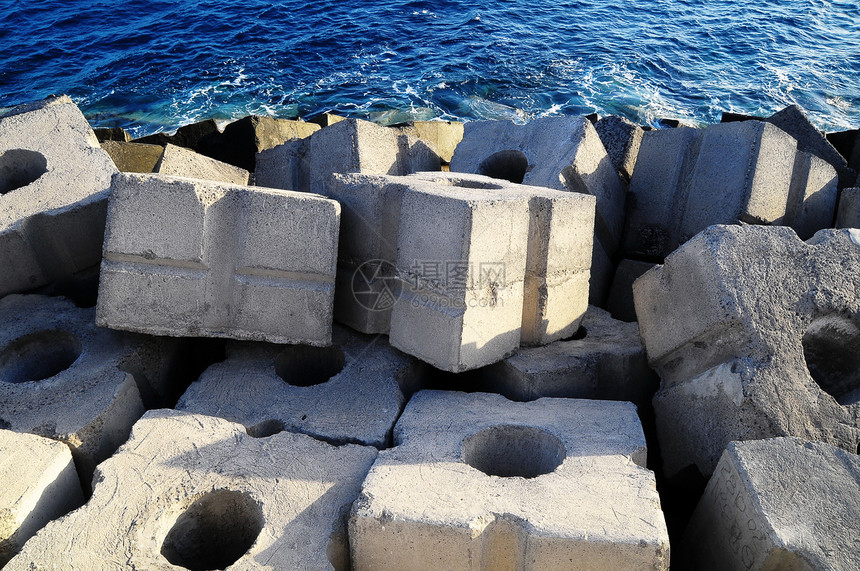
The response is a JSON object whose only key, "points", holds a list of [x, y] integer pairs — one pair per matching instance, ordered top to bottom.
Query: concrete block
{"points": [[326, 119], [112, 134], [191, 136], [443, 136], [621, 138], [562, 153], [133, 157], [179, 161], [284, 166], [54, 184], [812, 196], [848, 215], [218, 260], [620, 302], [754, 334], [605, 360], [64, 378], [352, 391], [479, 482], [39, 484], [197, 492], [781, 503]]}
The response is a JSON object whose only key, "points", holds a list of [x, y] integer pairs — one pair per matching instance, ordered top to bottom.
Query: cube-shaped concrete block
{"points": [[443, 136], [622, 139], [133, 157], [179, 161], [284, 166], [54, 184], [813, 196], [848, 215], [190, 257], [754, 334], [352, 391], [479, 482], [39, 484], [197, 492], [781, 503]]}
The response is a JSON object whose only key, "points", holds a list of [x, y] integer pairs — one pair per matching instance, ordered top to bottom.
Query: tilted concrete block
{"points": [[443, 136], [621, 138], [562, 153], [133, 157], [179, 161], [284, 166], [54, 184], [812, 196], [848, 215], [189, 257], [620, 302], [754, 334], [605, 360], [64, 378], [352, 391], [479, 482], [39, 484], [197, 492], [781, 503]]}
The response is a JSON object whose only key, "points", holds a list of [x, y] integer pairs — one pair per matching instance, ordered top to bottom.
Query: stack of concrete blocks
{"points": [[621, 138], [348, 146], [562, 153], [688, 179], [54, 185], [848, 215], [186, 257], [754, 334], [64, 378], [353, 391], [555, 483], [39, 484], [197, 492], [781, 503]]}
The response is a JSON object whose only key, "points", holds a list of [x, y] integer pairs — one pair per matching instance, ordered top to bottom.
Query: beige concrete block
{"points": [[444, 136], [133, 157], [179, 161]]}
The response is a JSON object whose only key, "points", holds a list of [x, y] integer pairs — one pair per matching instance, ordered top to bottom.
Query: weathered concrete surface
{"points": [[112, 134], [443, 136], [621, 139], [562, 153], [133, 157], [179, 161], [284, 166], [54, 184], [812, 196], [848, 215], [218, 260], [620, 302], [754, 334], [608, 362], [64, 378], [352, 391], [39, 484], [568, 490], [198, 492], [781, 503]]}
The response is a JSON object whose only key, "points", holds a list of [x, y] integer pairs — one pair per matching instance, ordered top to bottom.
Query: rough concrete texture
{"points": [[793, 121], [112, 134], [443, 136], [621, 139], [562, 153], [133, 157], [179, 161], [284, 166], [687, 179], [54, 184], [848, 215], [194, 258], [620, 302], [755, 335], [606, 360], [64, 378], [352, 391], [479, 482], [39, 484], [197, 492], [781, 503]]}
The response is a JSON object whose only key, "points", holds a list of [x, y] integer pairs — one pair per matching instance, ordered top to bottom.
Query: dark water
{"points": [[152, 66]]}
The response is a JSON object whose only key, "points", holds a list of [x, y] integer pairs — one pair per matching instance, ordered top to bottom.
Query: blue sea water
{"points": [[155, 65]]}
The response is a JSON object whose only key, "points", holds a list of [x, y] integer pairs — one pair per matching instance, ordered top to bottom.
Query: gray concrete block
{"points": [[442, 136], [621, 139], [133, 157], [179, 161], [284, 166], [54, 184], [812, 197], [848, 215], [188, 257], [620, 302], [754, 334], [64, 378], [352, 391], [479, 482], [39, 484], [197, 492], [781, 503]]}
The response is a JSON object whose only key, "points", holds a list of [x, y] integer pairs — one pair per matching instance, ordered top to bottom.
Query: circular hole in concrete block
{"points": [[509, 165], [20, 167], [831, 346], [38, 356], [305, 366], [265, 428], [510, 450], [214, 532]]}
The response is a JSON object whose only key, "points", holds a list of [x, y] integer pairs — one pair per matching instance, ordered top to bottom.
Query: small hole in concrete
{"points": [[509, 165], [20, 167], [580, 333], [831, 346], [38, 356], [305, 366], [265, 428], [509, 450], [214, 532]]}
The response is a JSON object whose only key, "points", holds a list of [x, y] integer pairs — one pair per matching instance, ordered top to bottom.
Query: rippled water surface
{"points": [[155, 65]]}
